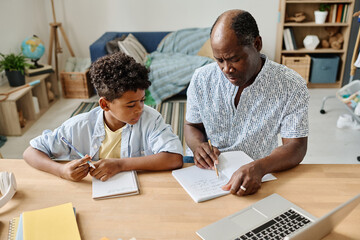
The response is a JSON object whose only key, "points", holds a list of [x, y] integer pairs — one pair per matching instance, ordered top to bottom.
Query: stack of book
{"points": [[338, 13], [289, 39], [38, 71], [56, 223]]}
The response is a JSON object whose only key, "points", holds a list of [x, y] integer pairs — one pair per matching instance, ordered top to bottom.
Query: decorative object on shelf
{"points": [[321, 14], [298, 17], [335, 38], [311, 42], [33, 48], [14, 66], [51, 95], [22, 119]]}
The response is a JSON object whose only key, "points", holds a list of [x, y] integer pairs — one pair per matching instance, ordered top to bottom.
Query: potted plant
{"points": [[321, 14], [14, 66]]}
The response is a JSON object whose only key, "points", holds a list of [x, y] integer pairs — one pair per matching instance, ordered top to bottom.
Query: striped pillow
{"points": [[132, 47]]}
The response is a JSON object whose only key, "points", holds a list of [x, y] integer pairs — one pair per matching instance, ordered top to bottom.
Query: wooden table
{"points": [[164, 210]]}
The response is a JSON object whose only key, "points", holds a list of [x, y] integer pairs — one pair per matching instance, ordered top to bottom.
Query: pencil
{"points": [[211, 148], [77, 151]]}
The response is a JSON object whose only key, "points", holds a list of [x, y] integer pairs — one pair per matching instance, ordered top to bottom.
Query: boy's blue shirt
{"points": [[150, 135]]}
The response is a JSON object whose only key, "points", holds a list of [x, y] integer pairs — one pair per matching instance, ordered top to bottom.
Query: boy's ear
{"points": [[103, 103]]}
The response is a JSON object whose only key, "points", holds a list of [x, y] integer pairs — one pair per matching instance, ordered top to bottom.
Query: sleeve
{"points": [[192, 104], [295, 122], [162, 138], [49, 143]]}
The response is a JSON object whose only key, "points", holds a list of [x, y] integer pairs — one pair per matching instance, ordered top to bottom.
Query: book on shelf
{"points": [[339, 12], [334, 13], [330, 14], [344, 14], [288, 34], [287, 38], [293, 41], [38, 71], [122, 184], [203, 184], [56, 223]]}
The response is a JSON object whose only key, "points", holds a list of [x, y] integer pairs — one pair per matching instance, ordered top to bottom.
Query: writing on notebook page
{"points": [[202, 184], [212, 185]]}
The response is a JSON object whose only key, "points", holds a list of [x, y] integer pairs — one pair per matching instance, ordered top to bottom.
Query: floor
{"points": [[327, 143]]}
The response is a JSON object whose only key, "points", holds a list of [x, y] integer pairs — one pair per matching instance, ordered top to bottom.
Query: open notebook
{"points": [[122, 184], [204, 185]]}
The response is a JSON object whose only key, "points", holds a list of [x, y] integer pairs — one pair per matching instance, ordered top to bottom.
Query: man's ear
{"points": [[258, 43], [103, 103]]}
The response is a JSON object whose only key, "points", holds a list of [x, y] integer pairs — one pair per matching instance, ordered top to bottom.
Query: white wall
{"points": [[86, 20]]}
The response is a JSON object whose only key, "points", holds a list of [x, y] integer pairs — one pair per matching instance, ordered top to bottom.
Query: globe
{"points": [[33, 48]]}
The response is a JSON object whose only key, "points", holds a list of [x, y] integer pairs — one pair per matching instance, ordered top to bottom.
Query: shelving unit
{"points": [[309, 27], [22, 100]]}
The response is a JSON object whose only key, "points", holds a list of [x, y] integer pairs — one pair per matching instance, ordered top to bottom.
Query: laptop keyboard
{"points": [[278, 227]]}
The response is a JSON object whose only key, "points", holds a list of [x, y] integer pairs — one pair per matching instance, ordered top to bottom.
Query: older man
{"points": [[242, 102]]}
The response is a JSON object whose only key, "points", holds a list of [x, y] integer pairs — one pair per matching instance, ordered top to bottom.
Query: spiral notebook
{"points": [[56, 223], [13, 226]]}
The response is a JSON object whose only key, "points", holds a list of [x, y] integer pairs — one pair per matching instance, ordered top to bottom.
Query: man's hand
{"points": [[204, 157], [105, 169], [75, 170], [246, 180]]}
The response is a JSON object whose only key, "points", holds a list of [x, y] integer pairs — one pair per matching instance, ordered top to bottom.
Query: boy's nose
{"points": [[138, 109]]}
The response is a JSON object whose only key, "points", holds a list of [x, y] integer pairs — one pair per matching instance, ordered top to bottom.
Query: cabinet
{"points": [[309, 27], [22, 100]]}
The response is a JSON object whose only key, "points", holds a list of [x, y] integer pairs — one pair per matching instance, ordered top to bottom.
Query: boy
{"points": [[122, 133]]}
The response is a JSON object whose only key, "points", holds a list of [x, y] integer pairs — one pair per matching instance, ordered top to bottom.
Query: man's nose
{"points": [[226, 68]]}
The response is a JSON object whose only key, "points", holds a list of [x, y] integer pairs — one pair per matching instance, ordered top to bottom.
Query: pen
{"points": [[211, 148], [77, 151]]}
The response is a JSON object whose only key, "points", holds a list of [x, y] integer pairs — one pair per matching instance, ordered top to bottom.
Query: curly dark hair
{"points": [[244, 26], [117, 73]]}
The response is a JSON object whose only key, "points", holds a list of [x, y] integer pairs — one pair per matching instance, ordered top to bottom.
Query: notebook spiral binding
{"points": [[12, 229]]}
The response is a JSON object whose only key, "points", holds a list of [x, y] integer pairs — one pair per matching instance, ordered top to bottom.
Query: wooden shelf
{"points": [[313, 24], [309, 27], [318, 50], [23, 100]]}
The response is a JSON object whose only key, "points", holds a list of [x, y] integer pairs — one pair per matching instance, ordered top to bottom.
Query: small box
{"points": [[301, 64], [324, 68], [76, 84]]}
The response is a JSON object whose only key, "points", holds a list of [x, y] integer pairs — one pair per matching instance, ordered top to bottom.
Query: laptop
{"points": [[274, 217]]}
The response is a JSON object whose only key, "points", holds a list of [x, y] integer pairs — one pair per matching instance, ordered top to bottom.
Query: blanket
{"points": [[175, 60]]}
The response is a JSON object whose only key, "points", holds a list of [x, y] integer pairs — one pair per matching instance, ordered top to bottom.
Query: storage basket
{"points": [[301, 64], [76, 84]]}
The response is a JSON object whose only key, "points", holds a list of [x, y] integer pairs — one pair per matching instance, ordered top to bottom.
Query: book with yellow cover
{"points": [[56, 223]]}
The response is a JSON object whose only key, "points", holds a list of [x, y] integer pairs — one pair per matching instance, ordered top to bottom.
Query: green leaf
{"points": [[13, 62]]}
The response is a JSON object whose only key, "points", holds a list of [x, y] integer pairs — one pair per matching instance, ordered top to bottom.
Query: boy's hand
{"points": [[105, 169], [75, 170]]}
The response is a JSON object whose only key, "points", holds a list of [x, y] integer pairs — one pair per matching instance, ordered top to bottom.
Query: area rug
{"points": [[173, 113]]}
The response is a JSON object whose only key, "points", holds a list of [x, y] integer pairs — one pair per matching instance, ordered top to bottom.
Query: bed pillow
{"points": [[112, 46], [132, 47], [206, 50]]}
